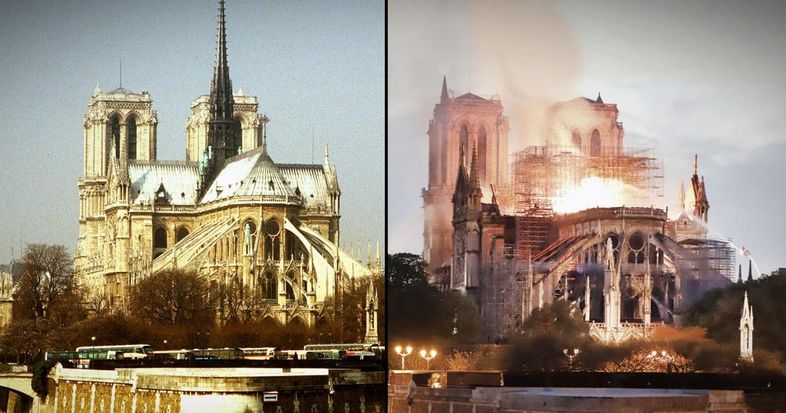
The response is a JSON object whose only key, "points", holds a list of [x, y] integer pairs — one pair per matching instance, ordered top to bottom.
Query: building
{"points": [[466, 121], [229, 211], [578, 222], [8, 286]]}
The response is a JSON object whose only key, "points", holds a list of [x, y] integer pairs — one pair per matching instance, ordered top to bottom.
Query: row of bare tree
{"points": [[170, 309]]}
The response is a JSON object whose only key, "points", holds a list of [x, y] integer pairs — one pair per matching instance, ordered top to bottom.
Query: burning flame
{"points": [[594, 192]]}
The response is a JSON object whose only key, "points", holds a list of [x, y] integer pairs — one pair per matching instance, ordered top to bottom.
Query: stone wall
{"points": [[190, 390], [402, 398]]}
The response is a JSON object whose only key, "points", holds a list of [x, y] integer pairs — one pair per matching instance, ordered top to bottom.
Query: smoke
{"points": [[521, 51], [525, 52]]}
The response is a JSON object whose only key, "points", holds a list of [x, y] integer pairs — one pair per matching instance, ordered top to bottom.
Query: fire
{"points": [[597, 192]]}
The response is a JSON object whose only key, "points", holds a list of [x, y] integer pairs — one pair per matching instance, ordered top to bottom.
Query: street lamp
{"points": [[93, 340], [403, 354], [571, 355], [428, 356]]}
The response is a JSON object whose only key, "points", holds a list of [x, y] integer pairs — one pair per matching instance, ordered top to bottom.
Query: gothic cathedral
{"points": [[228, 212]]}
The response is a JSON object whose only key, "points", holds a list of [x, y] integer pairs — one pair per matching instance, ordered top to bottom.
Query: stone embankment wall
{"points": [[188, 390]]}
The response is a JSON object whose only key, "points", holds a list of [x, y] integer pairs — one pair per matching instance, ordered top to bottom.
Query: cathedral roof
{"points": [[120, 91], [471, 96], [251, 174], [179, 179], [309, 180]]}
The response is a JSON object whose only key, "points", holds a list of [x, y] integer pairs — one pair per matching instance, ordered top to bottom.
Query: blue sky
{"points": [[317, 68], [700, 77]]}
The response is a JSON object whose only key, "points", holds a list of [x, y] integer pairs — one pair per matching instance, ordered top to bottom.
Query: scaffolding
{"points": [[544, 173]]}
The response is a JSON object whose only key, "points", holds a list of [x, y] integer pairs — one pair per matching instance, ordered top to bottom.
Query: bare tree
{"points": [[47, 288], [173, 297]]}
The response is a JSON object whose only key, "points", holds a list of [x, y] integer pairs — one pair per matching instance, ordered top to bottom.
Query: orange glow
{"points": [[594, 192]]}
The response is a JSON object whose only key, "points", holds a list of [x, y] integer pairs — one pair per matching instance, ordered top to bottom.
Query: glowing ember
{"points": [[598, 192]]}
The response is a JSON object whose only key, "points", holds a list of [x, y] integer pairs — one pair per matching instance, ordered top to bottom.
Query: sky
{"points": [[317, 68], [703, 77]]}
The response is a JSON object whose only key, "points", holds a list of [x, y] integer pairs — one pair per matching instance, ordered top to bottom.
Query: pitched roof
{"points": [[471, 96], [251, 174], [179, 179], [309, 181]]}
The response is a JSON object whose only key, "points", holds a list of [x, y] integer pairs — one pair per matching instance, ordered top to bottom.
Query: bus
{"points": [[344, 351], [116, 352], [226, 353], [258, 353], [174, 354]]}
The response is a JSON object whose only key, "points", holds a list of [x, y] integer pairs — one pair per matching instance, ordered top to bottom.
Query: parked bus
{"points": [[258, 353]]}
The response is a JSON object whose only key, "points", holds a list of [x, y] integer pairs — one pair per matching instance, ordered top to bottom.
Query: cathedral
{"points": [[229, 211], [573, 219]]}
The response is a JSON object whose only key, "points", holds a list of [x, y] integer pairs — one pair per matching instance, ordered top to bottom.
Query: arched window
{"points": [[131, 132], [114, 133], [237, 135], [464, 138], [576, 138], [595, 149], [482, 153], [182, 232], [249, 237], [159, 238], [273, 240], [269, 286], [289, 291]]}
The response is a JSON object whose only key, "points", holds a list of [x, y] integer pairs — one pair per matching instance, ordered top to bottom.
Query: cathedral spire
{"points": [[221, 86], [444, 97], [221, 140], [474, 178]]}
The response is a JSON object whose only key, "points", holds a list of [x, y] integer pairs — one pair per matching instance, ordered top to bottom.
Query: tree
{"points": [[47, 287], [173, 297], [421, 311], [718, 312]]}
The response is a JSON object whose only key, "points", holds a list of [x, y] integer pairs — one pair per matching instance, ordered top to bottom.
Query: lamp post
{"points": [[93, 340], [403, 354], [571, 355], [428, 356]]}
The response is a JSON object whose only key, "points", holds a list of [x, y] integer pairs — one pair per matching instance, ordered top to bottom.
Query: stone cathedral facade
{"points": [[229, 211]]}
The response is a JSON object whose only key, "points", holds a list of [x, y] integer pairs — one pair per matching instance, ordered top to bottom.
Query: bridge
{"points": [[197, 389], [16, 393]]}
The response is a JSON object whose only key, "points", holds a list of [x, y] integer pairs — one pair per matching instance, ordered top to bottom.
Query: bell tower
{"points": [[458, 124], [119, 127]]}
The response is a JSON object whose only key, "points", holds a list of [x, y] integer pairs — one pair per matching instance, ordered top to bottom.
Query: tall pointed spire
{"points": [[221, 87], [444, 97], [222, 144], [474, 177]]}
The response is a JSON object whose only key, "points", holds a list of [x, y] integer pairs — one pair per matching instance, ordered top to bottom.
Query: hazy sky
{"points": [[314, 65], [702, 77]]}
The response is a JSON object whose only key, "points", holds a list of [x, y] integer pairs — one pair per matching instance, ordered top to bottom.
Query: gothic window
{"points": [[131, 132], [114, 133], [464, 138], [576, 138], [595, 148], [482, 153], [182, 232], [249, 237], [273, 240], [159, 241], [636, 245], [269, 286], [289, 291]]}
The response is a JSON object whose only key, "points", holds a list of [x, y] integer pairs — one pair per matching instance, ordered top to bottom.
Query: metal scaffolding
{"points": [[543, 173]]}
